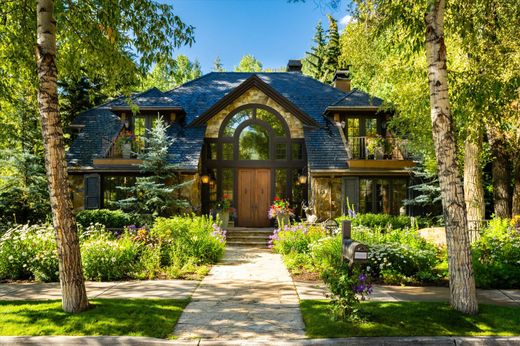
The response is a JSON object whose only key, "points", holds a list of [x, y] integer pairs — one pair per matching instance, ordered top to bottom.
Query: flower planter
{"points": [[126, 150], [224, 217]]}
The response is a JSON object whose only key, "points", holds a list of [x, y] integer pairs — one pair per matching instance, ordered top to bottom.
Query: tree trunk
{"points": [[500, 171], [473, 182], [516, 190], [462, 282], [74, 296]]}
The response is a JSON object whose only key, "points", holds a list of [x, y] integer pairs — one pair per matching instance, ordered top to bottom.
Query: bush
{"points": [[106, 217], [189, 238], [295, 238], [29, 252], [327, 252], [496, 255], [105, 257]]}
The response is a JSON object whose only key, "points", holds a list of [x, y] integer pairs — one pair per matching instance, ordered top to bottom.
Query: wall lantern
{"points": [[204, 178], [302, 179]]}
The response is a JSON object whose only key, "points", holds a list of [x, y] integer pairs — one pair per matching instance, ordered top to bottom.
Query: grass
{"points": [[115, 317], [411, 319]]}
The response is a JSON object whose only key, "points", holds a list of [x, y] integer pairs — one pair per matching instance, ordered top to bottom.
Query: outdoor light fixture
{"points": [[204, 178], [302, 179]]}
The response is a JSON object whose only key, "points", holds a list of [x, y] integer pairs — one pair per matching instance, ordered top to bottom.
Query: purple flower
{"points": [[362, 277]]}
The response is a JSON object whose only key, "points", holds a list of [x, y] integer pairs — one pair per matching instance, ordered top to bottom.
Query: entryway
{"points": [[254, 195]]}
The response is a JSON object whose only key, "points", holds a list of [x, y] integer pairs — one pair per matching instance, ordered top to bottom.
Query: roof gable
{"points": [[253, 81]]}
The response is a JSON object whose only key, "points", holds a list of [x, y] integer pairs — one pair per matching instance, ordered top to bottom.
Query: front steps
{"points": [[250, 237]]}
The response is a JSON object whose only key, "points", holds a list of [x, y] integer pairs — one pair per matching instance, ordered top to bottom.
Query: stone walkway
{"points": [[171, 289], [248, 295]]}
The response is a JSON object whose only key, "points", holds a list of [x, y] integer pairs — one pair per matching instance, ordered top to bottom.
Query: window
{"points": [[236, 120], [272, 120], [142, 124], [353, 127], [370, 127], [254, 143], [227, 151], [281, 151], [297, 151], [211, 153], [228, 183], [281, 183], [111, 192], [382, 195]]}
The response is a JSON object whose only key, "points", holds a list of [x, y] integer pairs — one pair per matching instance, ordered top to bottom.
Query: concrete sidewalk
{"points": [[169, 289], [384, 293]]}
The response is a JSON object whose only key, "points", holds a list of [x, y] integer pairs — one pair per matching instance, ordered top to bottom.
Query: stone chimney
{"points": [[294, 66], [342, 79]]}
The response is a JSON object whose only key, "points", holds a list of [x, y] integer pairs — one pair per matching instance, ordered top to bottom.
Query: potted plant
{"points": [[124, 144], [222, 209], [281, 211]]}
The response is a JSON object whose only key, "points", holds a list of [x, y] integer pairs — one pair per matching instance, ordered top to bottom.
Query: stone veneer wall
{"points": [[251, 96], [192, 191], [326, 194]]}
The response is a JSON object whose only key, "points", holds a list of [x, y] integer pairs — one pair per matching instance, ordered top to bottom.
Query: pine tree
{"points": [[332, 51], [314, 62], [217, 65], [154, 192]]}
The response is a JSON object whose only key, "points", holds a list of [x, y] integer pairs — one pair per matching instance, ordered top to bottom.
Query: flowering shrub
{"points": [[106, 217], [384, 220], [295, 238], [29, 252], [496, 255]]}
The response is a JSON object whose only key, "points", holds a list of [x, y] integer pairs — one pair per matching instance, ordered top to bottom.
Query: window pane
{"points": [[236, 120], [272, 120], [353, 127], [370, 127], [139, 132], [254, 143], [212, 151], [227, 151], [281, 151], [297, 151], [228, 183], [281, 183], [212, 185], [298, 189], [112, 193], [399, 194], [365, 196], [383, 196]]}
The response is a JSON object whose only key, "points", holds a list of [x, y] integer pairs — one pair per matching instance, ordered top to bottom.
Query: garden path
{"points": [[248, 295]]}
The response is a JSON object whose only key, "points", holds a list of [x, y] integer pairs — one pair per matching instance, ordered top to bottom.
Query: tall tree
{"points": [[332, 51], [314, 62], [249, 63], [217, 65], [168, 75], [71, 273], [462, 282]]}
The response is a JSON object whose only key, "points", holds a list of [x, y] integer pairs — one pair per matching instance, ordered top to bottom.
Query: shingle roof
{"points": [[150, 98], [325, 149]]}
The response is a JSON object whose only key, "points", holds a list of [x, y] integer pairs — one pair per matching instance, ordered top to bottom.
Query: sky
{"points": [[274, 31]]}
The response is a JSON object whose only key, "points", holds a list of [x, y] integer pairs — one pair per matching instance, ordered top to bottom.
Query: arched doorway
{"points": [[253, 160]]}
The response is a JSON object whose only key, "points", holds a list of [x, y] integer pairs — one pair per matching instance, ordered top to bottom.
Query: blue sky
{"points": [[274, 31]]}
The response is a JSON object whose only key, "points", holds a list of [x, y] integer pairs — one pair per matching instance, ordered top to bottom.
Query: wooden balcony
{"points": [[122, 151], [378, 153]]}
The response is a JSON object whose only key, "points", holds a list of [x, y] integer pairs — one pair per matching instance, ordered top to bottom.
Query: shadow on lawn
{"points": [[138, 317]]}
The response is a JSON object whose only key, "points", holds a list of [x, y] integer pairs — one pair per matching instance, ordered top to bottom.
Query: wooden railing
{"points": [[377, 148], [117, 150]]}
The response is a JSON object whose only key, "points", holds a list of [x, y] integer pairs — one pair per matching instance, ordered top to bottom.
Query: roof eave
{"points": [[148, 108], [351, 108]]}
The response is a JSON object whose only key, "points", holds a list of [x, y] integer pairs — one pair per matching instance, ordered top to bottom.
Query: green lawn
{"points": [[136, 317], [411, 319]]}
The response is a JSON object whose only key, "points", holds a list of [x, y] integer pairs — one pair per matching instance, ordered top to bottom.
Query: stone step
{"points": [[243, 233], [246, 238], [262, 244]]}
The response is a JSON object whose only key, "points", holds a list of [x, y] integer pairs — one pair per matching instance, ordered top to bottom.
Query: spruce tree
{"points": [[332, 51], [314, 62], [154, 191]]}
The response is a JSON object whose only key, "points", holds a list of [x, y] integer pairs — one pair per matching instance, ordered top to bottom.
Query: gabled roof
{"points": [[150, 99]]}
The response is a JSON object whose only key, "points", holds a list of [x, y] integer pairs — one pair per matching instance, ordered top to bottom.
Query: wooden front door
{"points": [[254, 195]]}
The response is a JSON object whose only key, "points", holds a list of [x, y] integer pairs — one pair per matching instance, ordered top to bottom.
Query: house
{"points": [[250, 137]]}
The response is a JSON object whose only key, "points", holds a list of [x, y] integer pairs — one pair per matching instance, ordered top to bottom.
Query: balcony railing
{"points": [[122, 148], [377, 148]]}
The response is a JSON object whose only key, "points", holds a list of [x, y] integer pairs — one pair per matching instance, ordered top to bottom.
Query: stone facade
{"points": [[254, 96], [191, 191], [326, 195]]}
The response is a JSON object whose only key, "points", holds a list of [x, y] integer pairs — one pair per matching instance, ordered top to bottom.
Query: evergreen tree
{"points": [[332, 52], [314, 62], [217, 65], [166, 76], [154, 192]]}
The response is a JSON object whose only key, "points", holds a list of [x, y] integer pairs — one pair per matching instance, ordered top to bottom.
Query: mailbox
{"points": [[353, 251]]}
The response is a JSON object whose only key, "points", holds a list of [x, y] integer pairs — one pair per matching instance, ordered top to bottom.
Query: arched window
{"points": [[236, 120]]}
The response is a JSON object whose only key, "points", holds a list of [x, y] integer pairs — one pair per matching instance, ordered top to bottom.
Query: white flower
{"points": [[10, 258], [113, 259]]}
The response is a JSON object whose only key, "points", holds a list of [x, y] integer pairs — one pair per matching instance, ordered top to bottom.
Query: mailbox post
{"points": [[353, 251]]}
